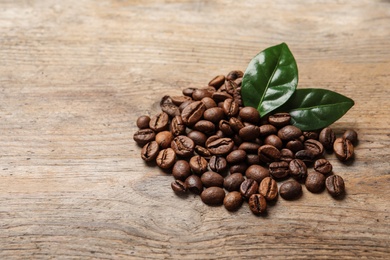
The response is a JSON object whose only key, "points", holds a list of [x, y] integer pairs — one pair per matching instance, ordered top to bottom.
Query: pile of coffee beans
{"points": [[223, 151]]}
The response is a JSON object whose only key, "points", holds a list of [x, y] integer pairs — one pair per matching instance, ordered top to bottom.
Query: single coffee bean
{"points": [[235, 74], [217, 82], [231, 87], [188, 91], [198, 94], [221, 96], [178, 100], [208, 102], [184, 105], [168, 107], [230, 107], [193, 113], [214, 114], [250, 115], [279, 119], [143, 122], [159, 122], [235, 124], [177, 126], [205, 126], [224, 126], [267, 129], [249, 132], [289, 132], [310, 135], [351, 135], [144, 136], [198, 137], [327, 137], [164, 139], [274, 140], [295, 145], [183, 146], [220, 146], [315, 146], [249, 147], [343, 148], [150, 151], [202, 151], [268, 153], [286, 155], [305, 155], [236, 156], [166, 158], [252, 159], [217, 163], [198, 164], [323, 166], [240, 167], [279, 169], [298, 169], [181, 170], [257, 173], [210, 179], [233, 181], [315, 182], [194, 184], [335, 185], [179, 187], [248, 187], [268, 188], [290, 190], [213, 196], [233, 201], [257, 204]]}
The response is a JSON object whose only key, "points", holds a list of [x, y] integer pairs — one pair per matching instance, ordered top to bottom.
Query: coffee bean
{"points": [[235, 74], [218, 81], [231, 87], [188, 91], [198, 94], [221, 96], [178, 100], [208, 102], [184, 105], [230, 107], [170, 109], [193, 113], [214, 114], [250, 115], [279, 119], [143, 122], [159, 122], [235, 124], [177, 126], [205, 126], [224, 126], [267, 129], [249, 132], [289, 132], [310, 135], [351, 135], [144, 136], [327, 137], [199, 138], [164, 139], [237, 140], [274, 140], [183, 145], [295, 145], [220, 146], [315, 146], [249, 147], [343, 148], [150, 151], [202, 151], [268, 153], [286, 155], [305, 155], [236, 156], [166, 158], [252, 159], [217, 163], [198, 164], [323, 166], [240, 167], [279, 169], [298, 169], [181, 170], [257, 173], [210, 179], [233, 182], [315, 182], [194, 184], [335, 185], [179, 187], [248, 188], [268, 188], [290, 190], [213, 196], [233, 201], [257, 204]]}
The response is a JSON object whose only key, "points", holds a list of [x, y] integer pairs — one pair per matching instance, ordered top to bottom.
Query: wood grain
{"points": [[75, 75]]}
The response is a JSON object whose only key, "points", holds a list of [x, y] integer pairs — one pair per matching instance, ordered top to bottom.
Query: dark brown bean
{"points": [[234, 74], [217, 82], [188, 91], [198, 94], [221, 96], [178, 100], [208, 102], [168, 107], [230, 107], [193, 113], [214, 114], [250, 115], [279, 119], [143, 122], [235, 124], [177, 126], [205, 126], [224, 126], [267, 129], [249, 132], [289, 132], [311, 135], [351, 135], [144, 136], [198, 137], [327, 137], [164, 139], [274, 140], [295, 145], [183, 146], [220, 146], [315, 146], [249, 147], [343, 148], [150, 151], [202, 151], [268, 153], [286, 155], [305, 155], [236, 156], [166, 158], [252, 159], [217, 163], [198, 164], [323, 166], [240, 167], [298, 169], [181, 170], [279, 170], [257, 173], [210, 179], [233, 182], [315, 182], [194, 184], [335, 185], [179, 187], [248, 187], [268, 188], [290, 190], [213, 196], [233, 201], [257, 204]]}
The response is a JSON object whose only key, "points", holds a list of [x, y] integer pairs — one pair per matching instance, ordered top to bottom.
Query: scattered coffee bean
{"points": [[234, 74], [217, 82], [209, 102], [230, 107], [193, 113], [214, 114], [250, 115], [279, 119], [143, 122], [159, 122], [177, 126], [266, 130], [289, 132], [310, 135], [351, 135], [144, 136], [327, 137], [199, 138], [164, 139], [274, 140], [295, 145], [183, 146], [220, 146], [315, 146], [343, 148], [150, 151], [202, 151], [268, 153], [286, 155], [305, 155], [236, 156], [166, 158], [217, 163], [198, 164], [323, 166], [241, 167], [298, 169], [181, 170], [279, 170], [257, 173], [210, 179], [233, 182], [315, 182], [194, 184], [335, 185], [179, 187], [248, 188], [268, 188], [290, 190], [213, 196], [233, 201], [257, 204]]}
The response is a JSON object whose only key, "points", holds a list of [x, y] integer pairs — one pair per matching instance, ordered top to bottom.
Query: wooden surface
{"points": [[75, 75]]}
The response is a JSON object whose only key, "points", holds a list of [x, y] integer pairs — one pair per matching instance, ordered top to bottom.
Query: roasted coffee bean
{"points": [[235, 74], [217, 82], [231, 87], [188, 91], [198, 94], [221, 96], [178, 100], [209, 102], [184, 105], [230, 107], [169, 108], [193, 113], [214, 114], [250, 115], [279, 119], [143, 122], [159, 122], [235, 124], [177, 126], [205, 126], [224, 126], [267, 129], [249, 132], [289, 132], [310, 135], [351, 135], [144, 136], [327, 137], [199, 138], [212, 138], [164, 139], [237, 140], [274, 140], [295, 145], [183, 146], [220, 146], [315, 146], [249, 147], [343, 148], [150, 151], [202, 151], [268, 153], [286, 155], [305, 155], [236, 156], [166, 158], [252, 159], [217, 163], [198, 164], [323, 166], [240, 167], [298, 169], [181, 170], [279, 170], [257, 173], [210, 179], [233, 181], [315, 182], [194, 184], [335, 185], [179, 187], [248, 187], [268, 188], [290, 190], [213, 196], [233, 201], [257, 204]]}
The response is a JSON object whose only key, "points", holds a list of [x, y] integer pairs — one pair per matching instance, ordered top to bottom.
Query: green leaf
{"points": [[270, 79], [314, 108]]}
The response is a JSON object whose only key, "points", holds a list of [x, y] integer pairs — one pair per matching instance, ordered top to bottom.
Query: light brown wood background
{"points": [[75, 75]]}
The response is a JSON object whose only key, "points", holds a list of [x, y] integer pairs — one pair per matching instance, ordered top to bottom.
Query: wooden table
{"points": [[75, 75]]}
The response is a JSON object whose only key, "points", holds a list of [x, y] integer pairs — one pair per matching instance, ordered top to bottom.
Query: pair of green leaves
{"points": [[270, 85]]}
